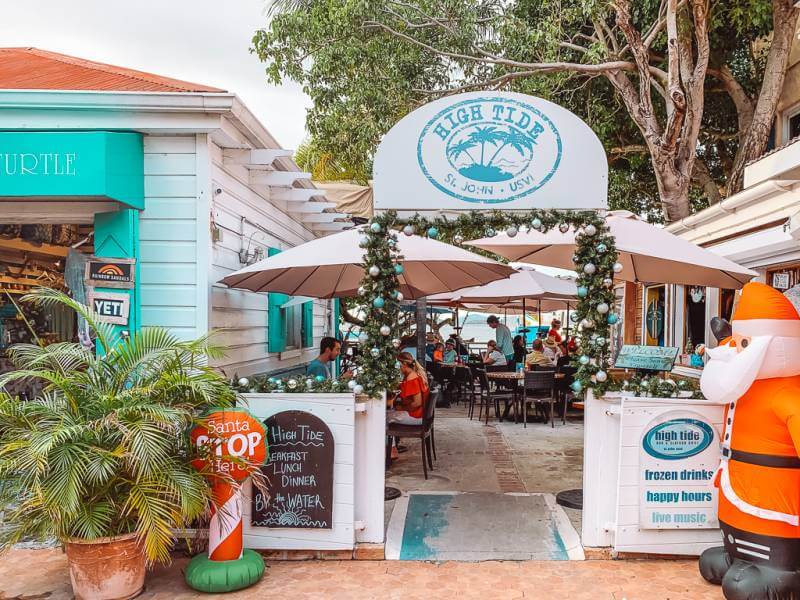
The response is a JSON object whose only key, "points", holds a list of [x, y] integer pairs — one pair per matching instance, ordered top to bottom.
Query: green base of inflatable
{"points": [[206, 575]]}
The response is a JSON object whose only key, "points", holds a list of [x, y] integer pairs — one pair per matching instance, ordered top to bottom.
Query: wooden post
{"points": [[422, 314]]}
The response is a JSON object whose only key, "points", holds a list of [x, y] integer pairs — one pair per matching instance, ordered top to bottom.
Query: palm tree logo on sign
{"points": [[489, 150]]}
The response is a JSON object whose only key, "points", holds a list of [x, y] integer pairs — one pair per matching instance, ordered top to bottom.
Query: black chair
{"points": [[564, 387], [539, 388], [502, 390], [483, 395], [423, 432]]}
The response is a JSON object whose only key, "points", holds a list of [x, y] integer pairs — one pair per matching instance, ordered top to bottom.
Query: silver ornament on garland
{"points": [[536, 223], [563, 227], [590, 229], [408, 230], [512, 231], [490, 232], [458, 239], [363, 241], [601, 248], [617, 267], [589, 268], [374, 271], [608, 282], [362, 290], [399, 297], [602, 308], [587, 323], [385, 330], [363, 338], [396, 342], [601, 376], [244, 381], [309, 382], [291, 384], [351, 384], [359, 389]]}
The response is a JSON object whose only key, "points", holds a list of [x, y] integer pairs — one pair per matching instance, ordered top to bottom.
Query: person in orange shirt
{"points": [[438, 352], [756, 373], [414, 392]]}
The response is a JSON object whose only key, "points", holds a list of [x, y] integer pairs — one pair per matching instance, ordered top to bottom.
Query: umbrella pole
{"points": [[540, 317], [524, 333], [566, 337]]}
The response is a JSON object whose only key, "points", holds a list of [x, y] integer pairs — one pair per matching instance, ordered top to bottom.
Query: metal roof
{"points": [[35, 69]]}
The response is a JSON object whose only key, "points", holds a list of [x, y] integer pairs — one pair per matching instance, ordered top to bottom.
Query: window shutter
{"points": [[308, 324], [276, 342]]}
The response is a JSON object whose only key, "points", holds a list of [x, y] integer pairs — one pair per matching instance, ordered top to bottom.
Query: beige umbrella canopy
{"points": [[647, 254], [333, 266], [524, 284]]}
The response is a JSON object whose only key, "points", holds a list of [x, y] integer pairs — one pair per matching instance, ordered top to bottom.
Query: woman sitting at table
{"points": [[551, 349], [520, 351], [493, 356], [414, 391]]}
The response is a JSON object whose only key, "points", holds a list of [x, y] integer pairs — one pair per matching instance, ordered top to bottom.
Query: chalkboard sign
{"points": [[652, 358], [299, 474]]}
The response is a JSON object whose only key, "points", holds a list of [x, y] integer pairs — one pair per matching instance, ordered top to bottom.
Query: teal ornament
{"points": [[536, 223], [375, 228], [433, 232], [490, 232], [363, 241], [601, 248], [398, 269], [583, 291], [395, 294], [378, 302], [573, 317], [612, 319], [601, 341], [375, 352], [584, 360], [320, 378], [272, 381], [577, 386]]}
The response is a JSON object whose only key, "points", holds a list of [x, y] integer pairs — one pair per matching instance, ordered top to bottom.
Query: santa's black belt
{"points": [[763, 460]]}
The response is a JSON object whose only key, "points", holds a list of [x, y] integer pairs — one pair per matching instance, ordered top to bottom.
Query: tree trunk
{"points": [[784, 19], [673, 187]]}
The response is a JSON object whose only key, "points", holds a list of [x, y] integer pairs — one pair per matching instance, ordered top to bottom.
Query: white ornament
{"points": [[536, 223], [563, 228], [590, 229], [408, 230], [512, 231], [458, 239], [363, 241], [617, 267], [589, 268], [374, 271], [608, 282], [362, 290], [400, 297], [602, 308], [587, 323], [385, 330], [363, 338], [396, 342], [601, 376], [243, 382], [309, 382], [291, 384], [351, 384], [359, 389]]}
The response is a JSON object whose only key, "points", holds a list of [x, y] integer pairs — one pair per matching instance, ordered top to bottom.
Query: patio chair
{"points": [[539, 389], [564, 389], [482, 395], [494, 396], [423, 432]]}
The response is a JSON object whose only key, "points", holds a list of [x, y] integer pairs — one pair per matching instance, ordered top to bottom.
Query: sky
{"points": [[203, 41]]}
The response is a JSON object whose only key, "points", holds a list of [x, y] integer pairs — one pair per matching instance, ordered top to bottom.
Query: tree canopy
{"points": [[682, 93]]}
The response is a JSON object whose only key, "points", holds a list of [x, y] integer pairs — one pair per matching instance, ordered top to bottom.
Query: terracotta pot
{"points": [[110, 568]]}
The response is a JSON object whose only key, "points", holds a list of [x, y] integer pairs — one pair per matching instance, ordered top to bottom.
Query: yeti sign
{"points": [[492, 149]]}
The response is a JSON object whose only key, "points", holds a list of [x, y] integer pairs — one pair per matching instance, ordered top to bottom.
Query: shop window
{"points": [[793, 126], [726, 301], [654, 315], [292, 317], [694, 324]]}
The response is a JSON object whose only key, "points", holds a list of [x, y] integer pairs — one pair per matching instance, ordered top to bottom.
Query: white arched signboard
{"points": [[490, 150]]}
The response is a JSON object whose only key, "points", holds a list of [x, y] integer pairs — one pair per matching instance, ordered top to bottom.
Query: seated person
{"points": [[329, 349], [551, 349], [438, 352], [520, 352], [450, 355], [493, 356], [537, 357], [410, 401]]}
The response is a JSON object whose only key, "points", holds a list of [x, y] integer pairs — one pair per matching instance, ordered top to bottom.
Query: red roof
{"points": [[34, 69]]}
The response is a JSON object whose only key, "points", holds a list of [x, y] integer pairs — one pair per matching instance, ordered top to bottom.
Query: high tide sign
{"points": [[490, 150]]}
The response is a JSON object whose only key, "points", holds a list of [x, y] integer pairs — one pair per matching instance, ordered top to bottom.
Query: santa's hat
{"points": [[763, 310]]}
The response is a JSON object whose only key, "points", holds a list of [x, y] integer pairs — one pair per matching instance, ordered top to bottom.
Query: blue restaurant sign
{"points": [[496, 149], [73, 165]]}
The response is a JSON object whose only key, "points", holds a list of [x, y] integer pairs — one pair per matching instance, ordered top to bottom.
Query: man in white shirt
{"points": [[505, 342], [493, 356]]}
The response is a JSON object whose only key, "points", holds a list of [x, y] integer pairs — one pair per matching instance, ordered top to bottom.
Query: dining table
{"points": [[518, 390]]}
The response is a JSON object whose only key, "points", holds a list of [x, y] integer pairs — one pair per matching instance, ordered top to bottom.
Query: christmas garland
{"points": [[596, 264]]}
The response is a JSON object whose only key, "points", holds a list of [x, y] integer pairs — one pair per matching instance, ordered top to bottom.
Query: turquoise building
{"points": [[179, 180]]}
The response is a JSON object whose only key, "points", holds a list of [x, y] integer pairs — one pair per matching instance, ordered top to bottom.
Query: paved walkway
{"points": [[42, 574]]}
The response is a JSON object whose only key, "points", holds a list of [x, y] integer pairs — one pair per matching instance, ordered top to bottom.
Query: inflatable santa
{"points": [[756, 373]]}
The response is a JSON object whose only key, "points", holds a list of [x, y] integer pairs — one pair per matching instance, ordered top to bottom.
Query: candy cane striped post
{"points": [[225, 528]]}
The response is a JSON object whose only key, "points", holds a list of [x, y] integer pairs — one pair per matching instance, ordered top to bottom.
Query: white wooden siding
{"points": [[168, 236], [241, 316]]}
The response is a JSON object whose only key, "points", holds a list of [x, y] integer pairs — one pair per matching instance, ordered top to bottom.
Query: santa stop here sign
{"points": [[227, 440]]}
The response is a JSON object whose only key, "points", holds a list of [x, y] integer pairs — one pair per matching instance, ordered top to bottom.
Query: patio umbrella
{"points": [[647, 253], [333, 266], [524, 284]]}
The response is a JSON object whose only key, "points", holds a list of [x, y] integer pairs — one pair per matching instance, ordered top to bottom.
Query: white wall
{"points": [[240, 314]]}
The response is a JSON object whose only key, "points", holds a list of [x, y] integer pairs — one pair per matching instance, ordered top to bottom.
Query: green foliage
{"points": [[362, 78], [379, 372], [262, 384], [656, 387], [103, 450]]}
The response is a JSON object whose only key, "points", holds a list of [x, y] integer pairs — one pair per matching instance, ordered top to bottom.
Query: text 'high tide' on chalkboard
{"points": [[299, 473]]}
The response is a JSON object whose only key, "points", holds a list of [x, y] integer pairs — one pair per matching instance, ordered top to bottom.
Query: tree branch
{"points": [[745, 105], [702, 177]]}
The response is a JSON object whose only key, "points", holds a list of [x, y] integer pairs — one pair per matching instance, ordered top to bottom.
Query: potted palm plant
{"points": [[99, 459]]}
